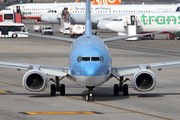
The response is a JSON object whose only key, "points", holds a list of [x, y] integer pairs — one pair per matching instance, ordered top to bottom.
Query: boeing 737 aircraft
{"points": [[102, 12], [148, 22], [90, 66]]}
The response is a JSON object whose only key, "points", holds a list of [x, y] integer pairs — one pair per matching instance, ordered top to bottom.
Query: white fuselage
{"points": [[35, 10], [99, 12], [148, 22], [89, 72]]}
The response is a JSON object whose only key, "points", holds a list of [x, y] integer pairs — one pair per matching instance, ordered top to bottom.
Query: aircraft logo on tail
{"points": [[104, 2]]}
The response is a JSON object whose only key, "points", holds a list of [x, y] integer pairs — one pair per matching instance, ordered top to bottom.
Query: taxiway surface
{"points": [[19, 104]]}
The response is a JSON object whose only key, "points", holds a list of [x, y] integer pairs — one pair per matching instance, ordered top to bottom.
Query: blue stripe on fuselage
{"points": [[89, 46]]}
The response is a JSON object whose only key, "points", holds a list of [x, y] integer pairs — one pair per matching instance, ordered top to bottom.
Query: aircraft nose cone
{"points": [[45, 18], [109, 25], [90, 69]]}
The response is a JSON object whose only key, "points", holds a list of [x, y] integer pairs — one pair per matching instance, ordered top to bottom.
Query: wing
{"points": [[106, 17], [51, 37], [124, 37], [49, 70], [129, 70]]}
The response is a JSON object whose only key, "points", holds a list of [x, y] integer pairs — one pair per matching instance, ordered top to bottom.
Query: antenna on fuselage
{"points": [[88, 29]]}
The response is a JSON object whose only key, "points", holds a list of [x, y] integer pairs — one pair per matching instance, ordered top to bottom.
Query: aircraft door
{"points": [[18, 10], [132, 19]]}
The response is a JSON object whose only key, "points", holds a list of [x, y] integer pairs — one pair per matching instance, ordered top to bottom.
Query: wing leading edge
{"points": [[51, 37], [124, 37], [49, 70], [130, 70]]}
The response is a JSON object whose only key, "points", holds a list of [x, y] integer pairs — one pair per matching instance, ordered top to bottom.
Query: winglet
{"points": [[76, 1], [88, 29]]}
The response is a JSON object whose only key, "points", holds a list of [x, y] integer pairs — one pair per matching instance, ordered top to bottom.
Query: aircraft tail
{"points": [[76, 1], [106, 2], [88, 28]]}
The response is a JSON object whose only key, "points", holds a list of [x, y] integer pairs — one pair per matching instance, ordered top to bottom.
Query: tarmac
{"points": [[19, 104]]}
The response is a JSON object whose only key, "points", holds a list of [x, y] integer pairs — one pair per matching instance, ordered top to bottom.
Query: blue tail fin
{"points": [[88, 29]]}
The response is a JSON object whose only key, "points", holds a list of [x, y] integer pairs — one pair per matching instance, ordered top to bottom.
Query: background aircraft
{"points": [[35, 10], [101, 14], [147, 22], [90, 66]]}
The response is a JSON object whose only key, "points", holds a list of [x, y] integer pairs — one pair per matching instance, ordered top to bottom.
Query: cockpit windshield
{"points": [[7, 8], [52, 11], [117, 20], [85, 59], [101, 59]]}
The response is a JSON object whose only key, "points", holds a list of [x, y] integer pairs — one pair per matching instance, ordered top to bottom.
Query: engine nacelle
{"points": [[31, 1], [5, 2], [101, 24], [35, 80], [144, 80]]}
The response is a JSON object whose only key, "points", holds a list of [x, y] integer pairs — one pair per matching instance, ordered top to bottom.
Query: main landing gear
{"points": [[57, 87], [121, 87], [90, 95]]}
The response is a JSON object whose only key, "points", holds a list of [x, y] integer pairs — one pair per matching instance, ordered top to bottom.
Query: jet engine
{"points": [[31, 1], [5, 2], [101, 24], [144, 80], [35, 81]]}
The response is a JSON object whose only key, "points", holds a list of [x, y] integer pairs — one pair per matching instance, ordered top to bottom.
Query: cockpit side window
{"points": [[79, 59], [102, 59]]}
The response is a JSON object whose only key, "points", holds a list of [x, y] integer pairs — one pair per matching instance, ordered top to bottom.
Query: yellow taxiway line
{"points": [[4, 92], [133, 111]]}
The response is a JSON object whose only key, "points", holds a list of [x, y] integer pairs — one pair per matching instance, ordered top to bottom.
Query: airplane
{"points": [[35, 10], [101, 13], [147, 22], [90, 66]]}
